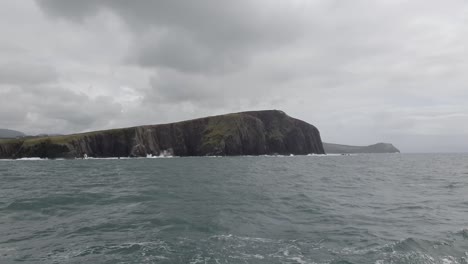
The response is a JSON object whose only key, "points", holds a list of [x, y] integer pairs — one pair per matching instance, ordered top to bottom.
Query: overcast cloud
{"points": [[361, 71]]}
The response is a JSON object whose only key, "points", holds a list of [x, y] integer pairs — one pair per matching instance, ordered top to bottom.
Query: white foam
{"points": [[329, 155], [276, 156], [159, 157], [32, 158], [91, 158], [110, 158], [255, 239], [7, 251], [256, 256], [197, 259], [299, 260], [449, 260]]}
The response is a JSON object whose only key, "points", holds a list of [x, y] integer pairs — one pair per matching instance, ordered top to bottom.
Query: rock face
{"points": [[246, 133], [345, 149]]}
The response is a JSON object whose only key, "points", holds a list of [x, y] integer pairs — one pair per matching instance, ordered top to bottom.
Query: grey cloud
{"points": [[76, 10], [218, 21], [197, 36], [176, 50], [363, 71], [23, 74], [172, 87], [46, 109], [75, 109], [11, 112], [81, 112]]}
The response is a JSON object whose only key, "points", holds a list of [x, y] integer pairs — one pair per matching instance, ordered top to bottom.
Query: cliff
{"points": [[246, 133], [345, 149]]}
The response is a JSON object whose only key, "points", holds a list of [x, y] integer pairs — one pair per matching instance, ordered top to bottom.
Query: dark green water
{"points": [[336, 209]]}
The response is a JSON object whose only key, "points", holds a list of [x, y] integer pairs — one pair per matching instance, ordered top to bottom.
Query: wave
{"points": [[330, 155], [160, 157], [165, 157], [32, 158], [112, 158], [51, 203], [229, 248], [452, 250], [146, 252]]}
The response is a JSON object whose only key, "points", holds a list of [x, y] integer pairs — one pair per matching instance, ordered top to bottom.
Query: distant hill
{"points": [[8, 133], [48, 135], [345, 149]]}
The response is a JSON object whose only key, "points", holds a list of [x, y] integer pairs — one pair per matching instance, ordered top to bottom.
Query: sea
{"points": [[338, 209]]}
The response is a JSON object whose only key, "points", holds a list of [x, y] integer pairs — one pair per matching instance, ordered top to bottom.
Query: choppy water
{"points": [[336, 209]]}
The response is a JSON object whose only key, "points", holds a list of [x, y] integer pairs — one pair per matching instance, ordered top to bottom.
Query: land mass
{"points": [[8, 133], [246, 133], [346, 149]]}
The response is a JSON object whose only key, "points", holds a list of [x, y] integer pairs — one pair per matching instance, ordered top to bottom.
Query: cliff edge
{"points": [[245, 133]]}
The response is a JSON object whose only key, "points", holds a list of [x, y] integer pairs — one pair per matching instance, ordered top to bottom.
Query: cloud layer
{"points": [[362, 71]]}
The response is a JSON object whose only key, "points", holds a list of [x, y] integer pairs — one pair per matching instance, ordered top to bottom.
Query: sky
{"points": [[361, 71]]}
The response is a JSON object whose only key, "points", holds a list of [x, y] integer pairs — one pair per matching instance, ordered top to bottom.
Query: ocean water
{"points": [[385, 208]]}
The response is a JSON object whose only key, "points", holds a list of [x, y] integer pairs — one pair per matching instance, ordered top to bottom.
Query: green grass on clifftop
{"points": [[220, 128], [60, 140]]}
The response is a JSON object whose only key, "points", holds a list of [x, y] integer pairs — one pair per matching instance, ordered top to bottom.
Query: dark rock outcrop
{"points": [[246, 133], [345, 149]]}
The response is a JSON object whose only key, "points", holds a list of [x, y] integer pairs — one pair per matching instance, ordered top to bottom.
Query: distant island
{"points": [[268, 132], [346, 149]]}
